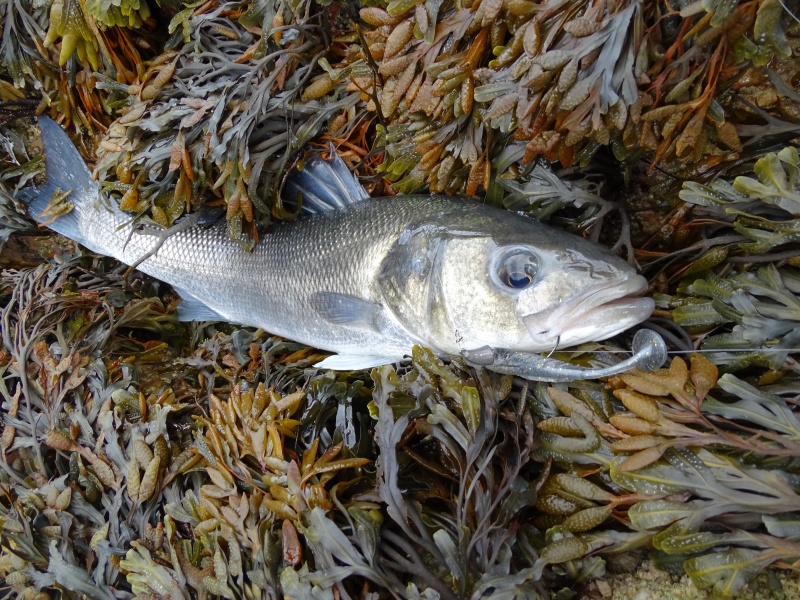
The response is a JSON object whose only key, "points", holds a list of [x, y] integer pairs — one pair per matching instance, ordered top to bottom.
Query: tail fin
{"points": [[65, 171], [324, 185]]}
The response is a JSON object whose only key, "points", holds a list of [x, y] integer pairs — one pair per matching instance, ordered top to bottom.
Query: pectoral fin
{"points": [[343, 309], [349, 311]]}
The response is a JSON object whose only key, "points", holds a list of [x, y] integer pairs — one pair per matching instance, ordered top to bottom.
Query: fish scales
{"points": [[339, 252]]}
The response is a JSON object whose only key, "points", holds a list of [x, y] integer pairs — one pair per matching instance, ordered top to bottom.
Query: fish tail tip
{"points": [[65, 173]]}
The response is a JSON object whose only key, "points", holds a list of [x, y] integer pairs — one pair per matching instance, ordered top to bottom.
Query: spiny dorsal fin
{"points": [[324, 185]]}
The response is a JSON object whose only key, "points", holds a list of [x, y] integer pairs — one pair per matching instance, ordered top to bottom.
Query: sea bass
{"points": [[364, 278]]}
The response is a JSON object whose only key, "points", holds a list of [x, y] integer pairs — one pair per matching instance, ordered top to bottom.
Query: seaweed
{"points": [[455, 84], [198, 129], [759, 304], [141, 457], [231, 468], [706, 480]]}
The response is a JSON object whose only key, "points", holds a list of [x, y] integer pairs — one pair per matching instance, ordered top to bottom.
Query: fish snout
{"points": [[597, 313]]}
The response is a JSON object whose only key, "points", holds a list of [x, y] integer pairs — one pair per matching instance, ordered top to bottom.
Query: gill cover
{"points": [[410, 278]]}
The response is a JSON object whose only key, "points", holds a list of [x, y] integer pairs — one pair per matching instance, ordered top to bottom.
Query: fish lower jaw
{"points": [[597, 323]]}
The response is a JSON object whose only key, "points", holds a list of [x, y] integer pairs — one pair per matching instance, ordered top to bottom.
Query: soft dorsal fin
{"points": [[324, 185]]}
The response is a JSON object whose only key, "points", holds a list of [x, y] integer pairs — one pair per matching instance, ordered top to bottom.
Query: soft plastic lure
{"points": [[649, 354]]}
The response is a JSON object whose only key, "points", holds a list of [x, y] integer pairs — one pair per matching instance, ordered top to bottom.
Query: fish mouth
{"points": [[599, 313]]}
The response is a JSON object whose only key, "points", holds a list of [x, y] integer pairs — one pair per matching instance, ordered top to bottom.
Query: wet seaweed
{"points": [[197, 476], [710, 478]]}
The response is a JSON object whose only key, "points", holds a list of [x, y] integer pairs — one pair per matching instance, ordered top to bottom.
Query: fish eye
{"points": [[516, 268]]}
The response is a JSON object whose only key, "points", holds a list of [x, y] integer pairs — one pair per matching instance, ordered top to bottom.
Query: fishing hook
{"points": [[558, 341]]}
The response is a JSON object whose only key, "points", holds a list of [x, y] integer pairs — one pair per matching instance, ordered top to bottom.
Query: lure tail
{"points": [[65, 171]]}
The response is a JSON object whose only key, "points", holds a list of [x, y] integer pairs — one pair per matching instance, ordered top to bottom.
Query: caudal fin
{"points": [[65, 171], [324, 185]]}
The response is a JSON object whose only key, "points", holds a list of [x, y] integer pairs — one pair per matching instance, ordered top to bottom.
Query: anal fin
{"points": [[192, 308]]}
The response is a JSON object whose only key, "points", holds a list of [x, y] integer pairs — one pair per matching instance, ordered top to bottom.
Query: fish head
{"points": [[499, 279]]}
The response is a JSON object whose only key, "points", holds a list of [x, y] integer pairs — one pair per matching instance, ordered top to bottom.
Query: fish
{"points": [[366, 278]]}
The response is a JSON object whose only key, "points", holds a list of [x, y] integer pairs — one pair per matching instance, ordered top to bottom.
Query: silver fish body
{"points": [[370, 279]]}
